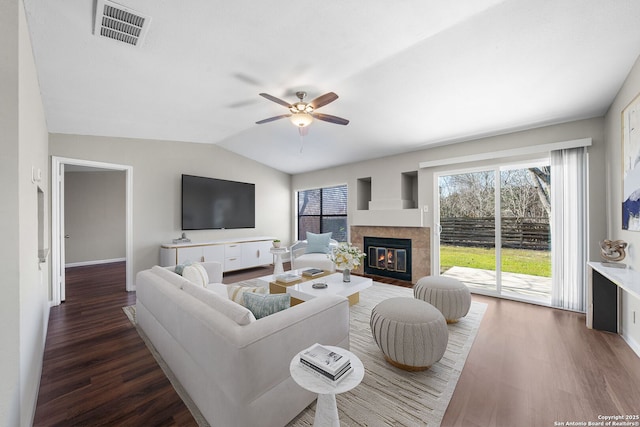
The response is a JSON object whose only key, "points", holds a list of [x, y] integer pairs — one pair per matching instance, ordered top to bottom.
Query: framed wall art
{"points": [[631, 166]]}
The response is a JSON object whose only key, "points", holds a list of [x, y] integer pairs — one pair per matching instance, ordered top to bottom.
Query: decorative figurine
{"points": [[613, 251]]}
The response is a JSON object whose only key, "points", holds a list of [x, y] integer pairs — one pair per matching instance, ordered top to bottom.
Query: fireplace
{"points": [[420, 245], [388, 257]]}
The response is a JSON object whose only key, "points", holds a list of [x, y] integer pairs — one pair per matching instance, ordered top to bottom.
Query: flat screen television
{"points": [[210, 203]]}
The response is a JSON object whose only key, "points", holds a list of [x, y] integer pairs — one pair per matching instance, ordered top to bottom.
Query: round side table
{"points": [[277, 263], [326, 407]]}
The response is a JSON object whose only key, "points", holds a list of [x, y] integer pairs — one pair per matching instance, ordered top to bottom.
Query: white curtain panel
{"points": [[569, 228]]}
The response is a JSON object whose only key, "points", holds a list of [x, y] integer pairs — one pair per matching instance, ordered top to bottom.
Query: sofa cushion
{"points": [[318, 243], [196, 273], [218, 289], [235, 292], [264, 305], [239, 314]]}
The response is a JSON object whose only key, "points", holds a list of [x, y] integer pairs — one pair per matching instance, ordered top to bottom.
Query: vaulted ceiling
{"points": [[409, 74]]}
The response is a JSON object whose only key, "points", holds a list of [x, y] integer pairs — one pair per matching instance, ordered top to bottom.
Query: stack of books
{"points": [[312, 272], [287, 278], [326, 363]]}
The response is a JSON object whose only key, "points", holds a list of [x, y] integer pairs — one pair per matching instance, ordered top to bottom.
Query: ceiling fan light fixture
{"points": [[299, 107], [302, 113], [301, 119]]}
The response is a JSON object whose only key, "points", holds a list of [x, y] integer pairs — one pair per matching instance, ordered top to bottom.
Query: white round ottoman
{"points": [[450, 296], [411, 333]]}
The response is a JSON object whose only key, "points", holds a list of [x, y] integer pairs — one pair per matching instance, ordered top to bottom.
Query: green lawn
{"points": [[534, 263]]}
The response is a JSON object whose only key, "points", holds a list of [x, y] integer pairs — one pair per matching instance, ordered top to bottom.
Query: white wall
{"points": [[613, 135], [157, 169], [386, 175], [9, 211], [95, 216], [34, 277], [23, 306]]}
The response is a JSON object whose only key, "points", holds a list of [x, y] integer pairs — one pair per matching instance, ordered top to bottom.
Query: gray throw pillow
{"points": [[262, 305]]}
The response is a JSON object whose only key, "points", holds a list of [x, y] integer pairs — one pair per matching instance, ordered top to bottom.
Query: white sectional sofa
{"points": [[234, 368]]}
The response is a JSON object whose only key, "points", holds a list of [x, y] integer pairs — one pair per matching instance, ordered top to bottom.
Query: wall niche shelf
{"points": [[409, 189], [364, 193]]}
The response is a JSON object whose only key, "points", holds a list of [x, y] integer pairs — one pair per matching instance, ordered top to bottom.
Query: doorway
{"points": [[493, 230], [58, 234]]}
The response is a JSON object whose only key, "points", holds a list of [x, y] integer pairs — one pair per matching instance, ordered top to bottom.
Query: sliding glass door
{"points": [[468, 228], [493, 230], [525, 233]]}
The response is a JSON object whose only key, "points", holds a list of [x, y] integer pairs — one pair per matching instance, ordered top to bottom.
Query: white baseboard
{"points": [[95, 262], [632, 343]]}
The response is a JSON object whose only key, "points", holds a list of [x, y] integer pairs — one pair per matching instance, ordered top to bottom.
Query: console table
{"points": [[233, 254], [603, 294]]}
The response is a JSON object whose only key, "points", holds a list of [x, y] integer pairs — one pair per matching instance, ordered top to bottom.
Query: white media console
{"points": [[234, 254]]}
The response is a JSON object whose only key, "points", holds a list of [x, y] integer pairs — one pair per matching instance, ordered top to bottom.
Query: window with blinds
{"points": [[323, 210]]}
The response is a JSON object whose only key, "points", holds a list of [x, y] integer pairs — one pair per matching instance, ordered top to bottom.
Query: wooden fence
{"points": [[519, 233]]}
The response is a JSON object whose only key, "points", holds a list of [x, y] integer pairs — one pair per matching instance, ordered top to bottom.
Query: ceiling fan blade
{"points": [[245, 78], [276, 100], [323, 100], [242, 103], [270, 119], [331, 119]]}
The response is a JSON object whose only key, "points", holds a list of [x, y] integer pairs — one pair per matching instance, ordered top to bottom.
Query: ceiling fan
{"points": [[302, 113]]}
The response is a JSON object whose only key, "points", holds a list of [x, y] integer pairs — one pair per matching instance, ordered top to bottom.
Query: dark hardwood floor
{"points": [[529, 365], [96, 369]]}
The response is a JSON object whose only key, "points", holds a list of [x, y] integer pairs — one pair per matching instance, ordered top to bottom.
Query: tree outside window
{"points": [[323, 210]]}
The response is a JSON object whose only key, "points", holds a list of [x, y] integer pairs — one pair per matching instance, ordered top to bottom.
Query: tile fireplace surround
{"points": [[420, 245]]}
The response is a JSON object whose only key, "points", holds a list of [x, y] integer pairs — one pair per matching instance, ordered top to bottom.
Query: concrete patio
{"points": [[521, 286]]}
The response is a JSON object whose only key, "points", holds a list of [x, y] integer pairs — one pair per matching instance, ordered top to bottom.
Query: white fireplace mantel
{"points": [[388, 218]]}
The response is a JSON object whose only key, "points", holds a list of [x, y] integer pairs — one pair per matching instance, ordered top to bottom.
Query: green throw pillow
{"points": [[318, 243], [263, 305]]}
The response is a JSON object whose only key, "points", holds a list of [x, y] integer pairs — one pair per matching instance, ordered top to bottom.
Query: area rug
{"points": [[387, 396]]}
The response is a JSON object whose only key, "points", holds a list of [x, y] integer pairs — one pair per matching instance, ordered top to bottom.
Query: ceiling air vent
{"points": [[120, 23]]}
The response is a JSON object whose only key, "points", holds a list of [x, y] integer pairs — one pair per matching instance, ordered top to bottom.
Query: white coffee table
{"points": [[265, 280], [335, 286], [326, 406]]}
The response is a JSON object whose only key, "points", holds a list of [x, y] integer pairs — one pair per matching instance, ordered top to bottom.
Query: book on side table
{"points": [[327, 364]]}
